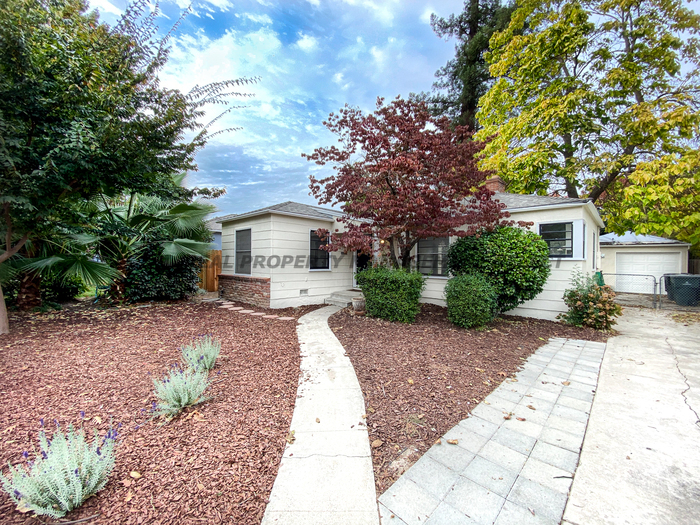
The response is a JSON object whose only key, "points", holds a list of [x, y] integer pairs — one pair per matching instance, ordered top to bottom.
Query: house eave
{"points": [[591, 208], [275, 212]]}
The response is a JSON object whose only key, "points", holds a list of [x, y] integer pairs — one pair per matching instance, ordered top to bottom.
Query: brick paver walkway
{"points": [[516, 454]]}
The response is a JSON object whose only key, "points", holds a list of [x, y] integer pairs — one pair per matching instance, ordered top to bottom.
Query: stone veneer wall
{"points": [[251, 290]]}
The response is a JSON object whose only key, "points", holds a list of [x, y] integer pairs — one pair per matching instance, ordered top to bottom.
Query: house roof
{"points": [[515, 201], [295, 209], [214, 225], [631, 239]]}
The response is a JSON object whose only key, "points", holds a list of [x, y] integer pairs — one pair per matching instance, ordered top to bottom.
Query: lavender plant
{"points": [[202, 354], [178, 389], [66, 472]]}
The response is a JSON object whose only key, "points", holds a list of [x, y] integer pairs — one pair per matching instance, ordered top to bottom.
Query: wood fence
{"points": [[694, 266], [209, 276]]}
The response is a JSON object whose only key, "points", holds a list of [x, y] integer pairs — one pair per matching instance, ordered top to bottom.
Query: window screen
{"points": [[559, 237], [243, 252], [432, 256], [318, 259]]}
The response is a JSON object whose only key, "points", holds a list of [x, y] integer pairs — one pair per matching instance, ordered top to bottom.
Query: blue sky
{"points": [[312, 57]]}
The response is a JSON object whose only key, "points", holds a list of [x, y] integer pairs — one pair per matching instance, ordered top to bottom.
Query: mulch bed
{"points": [[420, 380], [215, 463]]}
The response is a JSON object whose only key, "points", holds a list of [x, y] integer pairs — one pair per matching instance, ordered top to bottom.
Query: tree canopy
{"points": [[599, 98], [82, 113], [402, 175]]}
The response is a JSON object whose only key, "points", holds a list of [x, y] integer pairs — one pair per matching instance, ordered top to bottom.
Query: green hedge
{"points": [[515, 261], [148, 277], [391, 294], [471, 300]]}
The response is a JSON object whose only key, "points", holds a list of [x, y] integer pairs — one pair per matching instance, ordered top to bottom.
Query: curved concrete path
{"points": [[326, 475]]}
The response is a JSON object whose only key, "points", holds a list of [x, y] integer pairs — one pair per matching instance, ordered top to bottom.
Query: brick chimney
{"points": [[495, 183]]}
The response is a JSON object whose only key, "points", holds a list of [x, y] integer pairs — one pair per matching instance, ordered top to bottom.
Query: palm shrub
{"points": [[515, 261], [393, 295], [471, 300], [590, 304], [202, 354], [178, 389], [66, 472]]}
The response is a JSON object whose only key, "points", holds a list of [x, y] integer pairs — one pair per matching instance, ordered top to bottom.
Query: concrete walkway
{"points": [[641, 456], [515, 457], [326, 475]]}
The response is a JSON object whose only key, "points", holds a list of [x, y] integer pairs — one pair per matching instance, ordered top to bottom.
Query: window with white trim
{"points": [[243, 254], [432, 256], [318, 259]]}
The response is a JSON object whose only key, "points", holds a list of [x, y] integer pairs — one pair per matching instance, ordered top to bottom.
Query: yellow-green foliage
{"points": [[599, 98]]}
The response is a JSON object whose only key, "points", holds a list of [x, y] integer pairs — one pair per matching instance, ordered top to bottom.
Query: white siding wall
{"points": [[290, 237], [260, 240], [550, 302]]}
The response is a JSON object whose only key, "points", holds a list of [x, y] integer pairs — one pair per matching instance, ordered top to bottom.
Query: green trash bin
{"points": [[598, 277], [686, 289]]}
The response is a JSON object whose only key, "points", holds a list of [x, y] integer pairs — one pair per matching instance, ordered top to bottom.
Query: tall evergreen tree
{"points": [[465, 79]]}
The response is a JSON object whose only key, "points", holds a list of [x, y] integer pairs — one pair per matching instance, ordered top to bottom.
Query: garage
{"points": [[632, 263]]}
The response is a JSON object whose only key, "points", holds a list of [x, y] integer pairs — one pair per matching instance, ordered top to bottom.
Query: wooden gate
{"points": [[209, 276]]}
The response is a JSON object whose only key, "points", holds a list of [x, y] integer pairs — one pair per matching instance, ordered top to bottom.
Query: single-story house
{"points": [[272, 256], [631, 263]]}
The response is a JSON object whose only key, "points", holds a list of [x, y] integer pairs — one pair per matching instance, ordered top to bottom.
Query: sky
{"points": [[312, 57]]}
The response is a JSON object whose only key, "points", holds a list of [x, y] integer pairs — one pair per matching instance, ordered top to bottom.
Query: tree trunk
{"points": [[118, 289], [29, 295], [4, 322]]}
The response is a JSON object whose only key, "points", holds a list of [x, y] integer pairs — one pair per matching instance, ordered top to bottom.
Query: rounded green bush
{"points": [[515, 261], [393, 295], [471, 300]]}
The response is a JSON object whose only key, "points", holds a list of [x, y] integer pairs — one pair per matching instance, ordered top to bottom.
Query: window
{"points": [[559, 237], [243, 252], [432, 256], [318, 259]]}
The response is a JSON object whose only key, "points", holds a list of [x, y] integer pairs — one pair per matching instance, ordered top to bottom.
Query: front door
{"points": [[362, 261]]}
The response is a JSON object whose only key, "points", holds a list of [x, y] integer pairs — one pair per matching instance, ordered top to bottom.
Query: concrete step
{"points": [[343, 298]]}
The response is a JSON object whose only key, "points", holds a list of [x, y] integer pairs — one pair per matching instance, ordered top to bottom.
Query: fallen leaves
{"points": [[566, 383], [290, 438], [453, 441], [377, 443], [134, 474]]}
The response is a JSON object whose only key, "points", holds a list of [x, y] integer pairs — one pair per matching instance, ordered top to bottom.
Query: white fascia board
{"points": [[274, 212], [594, 212], [647, 245]]}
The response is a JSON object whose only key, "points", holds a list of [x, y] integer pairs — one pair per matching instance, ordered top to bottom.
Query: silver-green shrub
{"points": [[202, 354], [179, 389], [66, 472]]}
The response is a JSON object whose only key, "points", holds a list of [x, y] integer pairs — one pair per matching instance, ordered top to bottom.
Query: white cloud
{"points": [[314, 2], [104, 6], [382, 10], [425, 17], [258, 19], [306, 43], [338, 78]]}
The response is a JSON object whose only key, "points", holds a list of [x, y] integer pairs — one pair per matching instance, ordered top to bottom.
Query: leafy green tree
{"points": [[465, 78], [599, 98], [82, 113]]}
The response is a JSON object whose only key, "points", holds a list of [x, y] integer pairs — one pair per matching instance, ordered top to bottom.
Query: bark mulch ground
{"points": [[420, 380], [215, 463]]}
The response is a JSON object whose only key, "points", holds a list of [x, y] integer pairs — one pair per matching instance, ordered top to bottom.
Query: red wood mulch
{"points": [[420, 380], [214, 464]]}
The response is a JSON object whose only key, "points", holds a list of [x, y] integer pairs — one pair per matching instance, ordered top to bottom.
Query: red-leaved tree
{"points": [[402, 175]]}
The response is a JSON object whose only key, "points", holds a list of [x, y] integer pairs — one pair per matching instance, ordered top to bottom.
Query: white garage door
{"points": [[644, 263]]}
